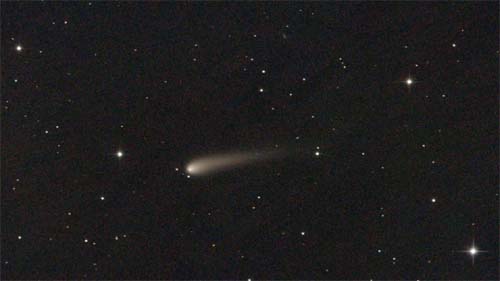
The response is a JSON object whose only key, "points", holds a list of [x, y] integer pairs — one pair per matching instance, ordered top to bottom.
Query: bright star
{"points": [[19, 48], [409, 81], [119, 154], [473, 251]]}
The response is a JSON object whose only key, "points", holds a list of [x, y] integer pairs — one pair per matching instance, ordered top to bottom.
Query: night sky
{"points": [[345, 140]]}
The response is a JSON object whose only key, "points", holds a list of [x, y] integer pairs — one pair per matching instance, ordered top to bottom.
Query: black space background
{"points": [[100, 79]]}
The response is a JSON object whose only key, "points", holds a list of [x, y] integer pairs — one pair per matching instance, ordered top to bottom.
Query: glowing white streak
{"points": [[221, 162]]}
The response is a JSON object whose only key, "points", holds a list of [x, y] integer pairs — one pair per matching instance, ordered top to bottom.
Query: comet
{"points": [[222, 162]]}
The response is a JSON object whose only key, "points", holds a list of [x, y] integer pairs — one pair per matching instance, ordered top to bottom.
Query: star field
{"points": [[386, 115]]}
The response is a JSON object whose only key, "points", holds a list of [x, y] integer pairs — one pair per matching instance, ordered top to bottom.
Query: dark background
{"points": [[95, 84]]}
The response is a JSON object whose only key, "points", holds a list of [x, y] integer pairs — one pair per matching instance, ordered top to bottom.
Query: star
{"points": [[19, 48], [409, 81], [119, 154], [473, 251]]}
